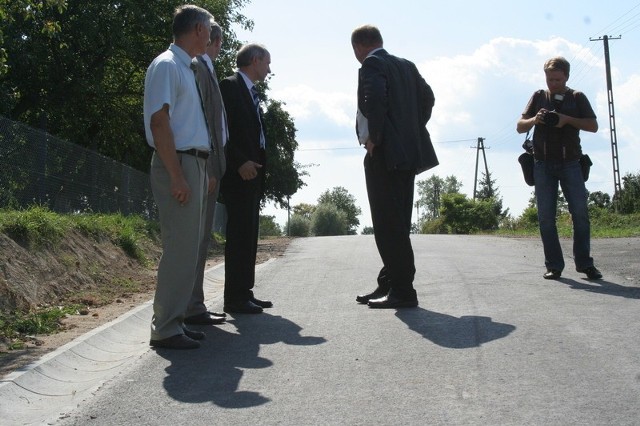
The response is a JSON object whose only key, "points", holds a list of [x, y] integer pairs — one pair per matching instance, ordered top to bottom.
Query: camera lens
{"points": [[551, 118]]}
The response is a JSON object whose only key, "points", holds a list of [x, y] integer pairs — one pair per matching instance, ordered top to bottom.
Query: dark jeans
{"points": [[548, 174], [391, 201]]}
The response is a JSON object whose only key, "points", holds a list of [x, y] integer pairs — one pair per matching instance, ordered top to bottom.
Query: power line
{"points": [[614, 27], [342, 148]]}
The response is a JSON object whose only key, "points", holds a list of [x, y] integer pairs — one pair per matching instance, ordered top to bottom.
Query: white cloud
{"points": [[304, 102]]}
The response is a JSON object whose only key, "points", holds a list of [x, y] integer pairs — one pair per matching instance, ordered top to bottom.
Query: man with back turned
{"points": [[394, 106]]}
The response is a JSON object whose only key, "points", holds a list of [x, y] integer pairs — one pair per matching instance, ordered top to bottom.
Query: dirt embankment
{"points": [[98, 275]]}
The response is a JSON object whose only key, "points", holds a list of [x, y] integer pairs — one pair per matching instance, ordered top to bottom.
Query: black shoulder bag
{"points": [[526, 161]]}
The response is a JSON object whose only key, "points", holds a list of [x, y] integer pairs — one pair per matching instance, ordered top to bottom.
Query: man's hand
{"points": [[370, 147], [249, 170], [212, 184], [180, 190]]}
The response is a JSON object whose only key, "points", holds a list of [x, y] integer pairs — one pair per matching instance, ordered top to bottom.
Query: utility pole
{"points": [[480, 147], [617, 187]]}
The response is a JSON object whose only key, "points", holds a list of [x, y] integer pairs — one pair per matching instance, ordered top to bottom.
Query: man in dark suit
{"points": [[394, 105], [216, 165], [243, 184]]}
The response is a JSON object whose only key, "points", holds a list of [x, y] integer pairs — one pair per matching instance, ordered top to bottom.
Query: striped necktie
{"points": [[256, 102]]}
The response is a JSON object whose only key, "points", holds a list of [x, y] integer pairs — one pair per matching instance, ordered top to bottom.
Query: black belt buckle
{"points": [[200, 154]]}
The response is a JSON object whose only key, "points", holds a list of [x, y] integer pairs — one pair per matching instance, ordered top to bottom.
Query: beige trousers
{"points": [[181, 231], [196, 304]]}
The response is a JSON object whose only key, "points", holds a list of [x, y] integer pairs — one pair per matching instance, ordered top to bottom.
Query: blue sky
{"points": [[483, 61]]}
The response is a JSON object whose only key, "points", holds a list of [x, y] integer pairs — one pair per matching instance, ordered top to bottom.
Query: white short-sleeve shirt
{"points": [[170, 80]]}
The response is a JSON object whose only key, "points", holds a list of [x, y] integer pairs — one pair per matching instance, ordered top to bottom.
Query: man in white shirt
{"points": [[175, 127]]}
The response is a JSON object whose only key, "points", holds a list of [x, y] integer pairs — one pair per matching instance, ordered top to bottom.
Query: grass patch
{"points": [[604, 224], [34, 227], [37, 227], [16, 327]]}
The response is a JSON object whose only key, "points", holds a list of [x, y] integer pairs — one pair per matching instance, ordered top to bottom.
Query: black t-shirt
{"points": [[558, 143]]}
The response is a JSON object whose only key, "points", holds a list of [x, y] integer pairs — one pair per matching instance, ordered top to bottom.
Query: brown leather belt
{"points": [[195, 153]]}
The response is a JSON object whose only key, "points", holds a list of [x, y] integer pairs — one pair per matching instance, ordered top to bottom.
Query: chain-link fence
{"points": [[37, 168]]}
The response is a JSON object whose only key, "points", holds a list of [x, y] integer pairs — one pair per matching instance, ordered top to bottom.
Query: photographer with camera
{"points": [[557, 116]]}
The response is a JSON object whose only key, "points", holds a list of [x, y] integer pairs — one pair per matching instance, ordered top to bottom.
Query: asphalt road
{"points": [[492, 343]]}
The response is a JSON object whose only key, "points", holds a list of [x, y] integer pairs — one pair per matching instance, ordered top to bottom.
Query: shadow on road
{"points": [[603, 287], [452, 332], [213, 372]]}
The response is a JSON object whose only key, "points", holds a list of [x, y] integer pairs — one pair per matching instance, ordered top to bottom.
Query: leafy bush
{"points": [[463, 216], [528, 218], [328, 220], [299, 226], [434, 226], [269, 227], [367, 230]]}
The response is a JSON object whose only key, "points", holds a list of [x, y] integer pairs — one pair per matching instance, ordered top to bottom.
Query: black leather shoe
{"points": [[592, 272], [552, 274], [376, 294], [392, 302], [261, 303], [247, 307], [217, 314], [204, 318], [193, 334], [179, 341]]}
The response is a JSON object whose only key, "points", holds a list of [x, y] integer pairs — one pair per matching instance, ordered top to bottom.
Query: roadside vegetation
{"points": [[38, 229]]}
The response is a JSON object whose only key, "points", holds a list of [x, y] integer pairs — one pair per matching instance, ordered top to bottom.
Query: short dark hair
{"points": [[186, 17], [216, 31], [366, 35], [248, 52], [558, 63]]}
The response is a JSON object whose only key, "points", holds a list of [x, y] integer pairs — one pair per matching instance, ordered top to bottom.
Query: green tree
{"points": [[12, 11], [86, 63], [284, 175], [430, 192], [488, 192], [629, 197], [599, 199], [346, 203], [305, 210], [329, 220], [269, 227]]}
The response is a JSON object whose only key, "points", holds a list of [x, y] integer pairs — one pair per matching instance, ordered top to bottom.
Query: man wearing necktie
{"points": [[175, 127], [216, 165], [243, 184]]}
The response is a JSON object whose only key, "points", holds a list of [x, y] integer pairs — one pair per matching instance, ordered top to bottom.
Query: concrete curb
{"points": [[61, 379]]}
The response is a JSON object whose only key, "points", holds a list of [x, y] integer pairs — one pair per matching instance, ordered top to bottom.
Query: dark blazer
{"points": [[397, 103], [213, 108], [244, 133]]}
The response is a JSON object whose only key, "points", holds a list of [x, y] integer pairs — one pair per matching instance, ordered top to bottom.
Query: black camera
{"points": [[550, 118], [528, 146]]}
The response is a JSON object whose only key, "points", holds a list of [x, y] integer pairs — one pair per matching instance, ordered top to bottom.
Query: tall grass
{"points": [[604, 224], [38, 227]]}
